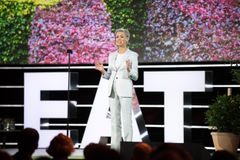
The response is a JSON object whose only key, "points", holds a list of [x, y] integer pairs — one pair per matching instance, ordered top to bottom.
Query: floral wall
{"points": [[81, 26], [192, 30], [41, 32]]}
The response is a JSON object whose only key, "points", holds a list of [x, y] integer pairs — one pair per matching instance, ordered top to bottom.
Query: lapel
{"points": [[114, 61]]}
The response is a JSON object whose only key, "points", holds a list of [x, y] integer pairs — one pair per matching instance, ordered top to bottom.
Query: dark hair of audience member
{"points": [[28, 140], [27, 144], [61, 147], [94, 151], [141, 151], [170, 151], [4, 155], [223, 155]]}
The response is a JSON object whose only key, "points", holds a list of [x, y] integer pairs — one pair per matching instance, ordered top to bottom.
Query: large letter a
{"points": [[99, 123]]}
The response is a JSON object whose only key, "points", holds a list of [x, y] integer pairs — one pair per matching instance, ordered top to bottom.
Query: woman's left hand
{"points": [[129, 65]]}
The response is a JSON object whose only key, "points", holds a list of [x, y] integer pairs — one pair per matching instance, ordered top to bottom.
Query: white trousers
{"points": [[121, 119]]}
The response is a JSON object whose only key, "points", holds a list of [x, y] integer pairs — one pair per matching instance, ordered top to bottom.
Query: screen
{"points": [[82, 31]]}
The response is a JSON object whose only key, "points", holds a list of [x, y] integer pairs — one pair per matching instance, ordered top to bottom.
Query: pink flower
{"points": [[83, 27], [204, 30]]}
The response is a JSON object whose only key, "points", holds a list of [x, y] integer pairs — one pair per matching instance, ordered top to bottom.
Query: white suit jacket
{"points": [[122, 78]]}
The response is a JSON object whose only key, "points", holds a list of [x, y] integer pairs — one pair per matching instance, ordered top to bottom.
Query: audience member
{"points": [[27, 144], [61, 147], [94, 151], [141, 151], [168, 151], [4, 155], [223, 155]]}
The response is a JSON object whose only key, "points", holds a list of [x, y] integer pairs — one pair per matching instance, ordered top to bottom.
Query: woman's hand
{"points": [[129, 65], [99, 66]]}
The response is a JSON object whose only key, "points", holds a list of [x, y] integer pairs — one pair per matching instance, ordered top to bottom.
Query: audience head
{"points": [[28, 140], [61, 146], [95, 151], [141, 151], [168, 151], [4, 155], [223, 155]]}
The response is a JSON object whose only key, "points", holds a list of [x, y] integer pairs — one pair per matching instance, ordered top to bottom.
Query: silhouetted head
{"points": [[28, 140], [60, 146], [95, 151], [141, 151], [168, 151], [4, 155]]}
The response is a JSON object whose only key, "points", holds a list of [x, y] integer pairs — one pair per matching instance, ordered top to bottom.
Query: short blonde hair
{"points": [[125, 31]]}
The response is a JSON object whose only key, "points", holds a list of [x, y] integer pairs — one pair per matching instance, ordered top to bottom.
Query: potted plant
{"points": [[224, 117]]}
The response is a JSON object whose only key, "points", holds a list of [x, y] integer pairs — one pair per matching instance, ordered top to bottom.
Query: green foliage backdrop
{"points": [[129, 14], [15, 19], [15, 28]]}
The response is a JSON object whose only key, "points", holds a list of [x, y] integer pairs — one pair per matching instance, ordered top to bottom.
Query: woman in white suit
{"points": [[122, 69]]}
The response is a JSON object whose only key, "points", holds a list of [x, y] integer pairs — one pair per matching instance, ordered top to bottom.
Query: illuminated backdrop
{"points": [[198, 30], [162, 31]]}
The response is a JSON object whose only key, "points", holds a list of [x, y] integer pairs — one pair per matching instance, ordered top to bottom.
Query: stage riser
{"points": [[151, 103]]}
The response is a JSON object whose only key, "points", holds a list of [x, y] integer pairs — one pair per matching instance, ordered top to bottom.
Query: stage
{"points": [[45, 107]]}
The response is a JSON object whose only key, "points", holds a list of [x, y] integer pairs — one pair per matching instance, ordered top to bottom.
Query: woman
{"points": [[122, 69]]}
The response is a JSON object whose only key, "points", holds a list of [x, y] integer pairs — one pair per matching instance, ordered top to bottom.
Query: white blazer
{"points": [[122, 78]]}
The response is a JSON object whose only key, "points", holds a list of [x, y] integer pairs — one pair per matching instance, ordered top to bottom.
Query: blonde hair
{"points": [[125, 31]]}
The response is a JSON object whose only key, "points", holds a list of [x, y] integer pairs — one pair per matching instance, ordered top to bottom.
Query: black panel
{"points": [[11, 77], [89, 77], [218, 77], [11, 95], [82, 96], [149, 97], [12, 112], [187, 113], [153, 115], [198, 116], [156, 134], [10, 136], [202, 136]]}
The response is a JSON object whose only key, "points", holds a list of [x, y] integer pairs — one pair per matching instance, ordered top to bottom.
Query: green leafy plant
{"points": [[15, 20], [15, 28], [224, 114]]}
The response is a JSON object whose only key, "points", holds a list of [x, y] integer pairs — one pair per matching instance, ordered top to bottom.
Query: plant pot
{"points": [[225, 141]]}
